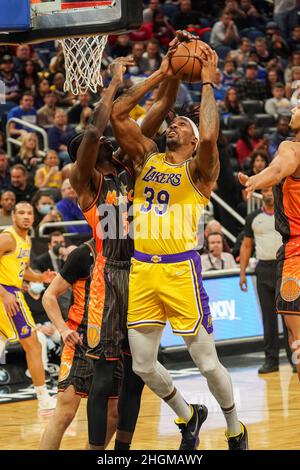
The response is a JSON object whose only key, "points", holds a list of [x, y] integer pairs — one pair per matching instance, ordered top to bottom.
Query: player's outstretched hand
{"points": [[209, 62], [118, 67], [248, 182], [48, 276], [10, 304], [71, 338]]}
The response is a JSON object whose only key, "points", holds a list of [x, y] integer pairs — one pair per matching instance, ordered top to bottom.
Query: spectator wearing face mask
{"points": [[44, 210], [216, 258], [48, 335]]}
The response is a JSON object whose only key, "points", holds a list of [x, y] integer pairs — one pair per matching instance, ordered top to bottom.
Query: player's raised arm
{"points": [[158, 112], [139, 143], [284, 164], [205, 166], [83, 169]]}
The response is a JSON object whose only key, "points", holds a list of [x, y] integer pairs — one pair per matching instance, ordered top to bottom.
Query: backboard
{"points": [[54, 19]]}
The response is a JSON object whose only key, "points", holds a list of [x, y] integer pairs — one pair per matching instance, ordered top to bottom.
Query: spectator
{"points": [[148, 13], [186, 16], [286, 16], [271, 28], [163, 30], [224, 32], [294, 43], [122, 47], [279, 48], [137, 52], [23, 53], [241, 54], [263, 54], [152, 56], [294, 62], [57, 63], [230, 76], [29, 77], [273, 77], [294, 78], [11, 81], [250, 88], [43, 89], [219, 89], [64, 98], [84, 101], [279, 104], [232, 105], [24, 111], [86, 113], [45, 115], [282, 133], [60, 134], [2, 141], [247, 142], [29, 154], [259, 161], [4, 171], [48, 175], [23, 189], [7, 202], [69, 209], [44, 210], [213, 226], [216, 258], [51, 259], [54, 259], [48, 335]]}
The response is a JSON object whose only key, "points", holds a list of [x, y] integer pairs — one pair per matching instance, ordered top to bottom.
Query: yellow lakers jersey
{"points": [[167, 207], [13, 264]]}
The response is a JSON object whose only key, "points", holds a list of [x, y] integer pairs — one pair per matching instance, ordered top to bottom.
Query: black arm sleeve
{"points": [[77, 265]]}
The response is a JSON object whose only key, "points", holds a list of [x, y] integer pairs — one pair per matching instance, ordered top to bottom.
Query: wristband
{"points": [[208, 83]]}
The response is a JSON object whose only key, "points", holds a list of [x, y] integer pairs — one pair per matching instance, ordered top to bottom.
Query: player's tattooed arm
{"points": [[164, 103], [285, 163], [205, 167], [83, 171]]}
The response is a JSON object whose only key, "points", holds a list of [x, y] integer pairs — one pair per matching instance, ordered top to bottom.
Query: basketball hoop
{"points": [[83, 63]]}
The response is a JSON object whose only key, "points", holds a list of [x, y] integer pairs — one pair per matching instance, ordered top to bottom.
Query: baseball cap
{"points": [[272, 24], [6, 58], [251, 64]]}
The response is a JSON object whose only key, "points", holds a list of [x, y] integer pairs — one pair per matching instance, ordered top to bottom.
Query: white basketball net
{"points": [[83, 63]]}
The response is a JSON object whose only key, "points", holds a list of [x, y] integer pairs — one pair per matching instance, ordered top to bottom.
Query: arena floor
{"points": [[269, 405]]}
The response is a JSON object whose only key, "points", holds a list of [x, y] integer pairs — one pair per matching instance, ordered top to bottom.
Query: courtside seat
{"points": [[253, 106], [264, 120], [236, 122], [231, 135]]}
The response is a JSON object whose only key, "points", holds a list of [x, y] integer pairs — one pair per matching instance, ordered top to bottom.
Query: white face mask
{"points": [[37, 287]]}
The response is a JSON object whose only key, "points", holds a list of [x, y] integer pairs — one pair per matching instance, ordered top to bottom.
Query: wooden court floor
{"points": [[268, 405]]}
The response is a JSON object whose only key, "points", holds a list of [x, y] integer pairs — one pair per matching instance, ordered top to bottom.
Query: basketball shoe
{"points": [[190, 430], [240, 441]]}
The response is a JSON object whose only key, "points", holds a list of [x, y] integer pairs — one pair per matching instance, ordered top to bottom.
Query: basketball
{"points": [[185, 63]]}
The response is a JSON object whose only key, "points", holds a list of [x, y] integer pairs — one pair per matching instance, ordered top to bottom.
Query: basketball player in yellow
{"points": [[171, 191], [16, 322]]}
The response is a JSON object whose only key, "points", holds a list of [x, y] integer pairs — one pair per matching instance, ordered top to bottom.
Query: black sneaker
{"points": [[267, 368], [190, 430], [239, 442]]}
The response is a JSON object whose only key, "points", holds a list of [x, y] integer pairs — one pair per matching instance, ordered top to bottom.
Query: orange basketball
{"points": [[185, 63]]}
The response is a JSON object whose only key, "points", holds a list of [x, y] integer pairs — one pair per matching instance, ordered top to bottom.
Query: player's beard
{"points": [[173, 145]]}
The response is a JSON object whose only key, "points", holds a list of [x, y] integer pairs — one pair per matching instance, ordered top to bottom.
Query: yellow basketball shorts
{"points": [[168, 287], [18, 326]]}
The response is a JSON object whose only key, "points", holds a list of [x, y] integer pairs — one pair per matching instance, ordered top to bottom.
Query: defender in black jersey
{"points": [[104, 185], [76, 369]]}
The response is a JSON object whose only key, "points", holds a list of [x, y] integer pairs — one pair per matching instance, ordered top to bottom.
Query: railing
{"points": [[12, 141], [254, 203], [229, 209], [53, 225]]}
